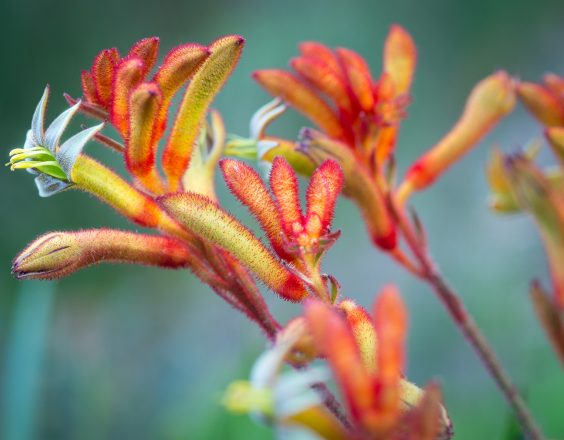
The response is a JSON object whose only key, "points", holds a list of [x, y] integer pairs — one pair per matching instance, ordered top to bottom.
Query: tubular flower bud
{"points": [[147, 51], [400, 57], [179, 65], [103, 69], [129, 73], [359, 77], [207, 82], [491, 100], [543, 103], [144, 105], [109, 187], [248, 187], [204, 217], [58, 254], [363, 331], [366, 359]]}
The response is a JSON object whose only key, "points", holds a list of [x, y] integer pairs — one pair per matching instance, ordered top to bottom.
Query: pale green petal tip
{"points": [[37, 121], [41, 154]]}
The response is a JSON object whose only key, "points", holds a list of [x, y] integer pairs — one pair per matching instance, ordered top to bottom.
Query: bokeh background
{"points": [[134, 352]]}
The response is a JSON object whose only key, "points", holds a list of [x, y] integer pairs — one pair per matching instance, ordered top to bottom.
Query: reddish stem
{"points": [[467, 325]]}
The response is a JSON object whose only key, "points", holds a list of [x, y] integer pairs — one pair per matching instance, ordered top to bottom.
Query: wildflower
{"points": [[120, 91], [357, 121], [43, 156], [58, 254], [365, 358]]}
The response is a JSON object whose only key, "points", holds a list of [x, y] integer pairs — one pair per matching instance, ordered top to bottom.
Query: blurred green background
{"points": [[134, 352]]}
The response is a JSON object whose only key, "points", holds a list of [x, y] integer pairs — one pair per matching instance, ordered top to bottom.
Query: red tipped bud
{"points": [[147, 51], [103, 70], [129, 73], [144, 106]]}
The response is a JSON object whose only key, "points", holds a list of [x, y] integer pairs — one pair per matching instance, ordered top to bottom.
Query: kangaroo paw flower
{"points": [[42, 153], [204, 217], [58, 254]]}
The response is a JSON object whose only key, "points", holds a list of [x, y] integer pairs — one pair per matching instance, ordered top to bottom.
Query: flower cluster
{"points": [[119, 91], [359, 120], [351, 150], [195, 232], [365, 356]]}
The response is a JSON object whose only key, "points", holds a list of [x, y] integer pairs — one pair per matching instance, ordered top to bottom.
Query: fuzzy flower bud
{"points": [[489, 102], [58, 254]]}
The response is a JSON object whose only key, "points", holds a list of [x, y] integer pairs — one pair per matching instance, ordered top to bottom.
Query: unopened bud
{"points": [[489, 102], [542, 103], [58, 254]]}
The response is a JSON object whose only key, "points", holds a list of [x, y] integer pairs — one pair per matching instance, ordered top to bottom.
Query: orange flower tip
{"points": [[147, 49], [400, 57], [179, 65], [103, 69], [545, 105], [284, 184], [325, 186]]}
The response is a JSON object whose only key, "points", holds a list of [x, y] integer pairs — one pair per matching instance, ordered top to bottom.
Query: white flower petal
{"points": [[264, 116], [39, 118], [57, 127], [71, 149], [48, 185], [265, 370]]}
